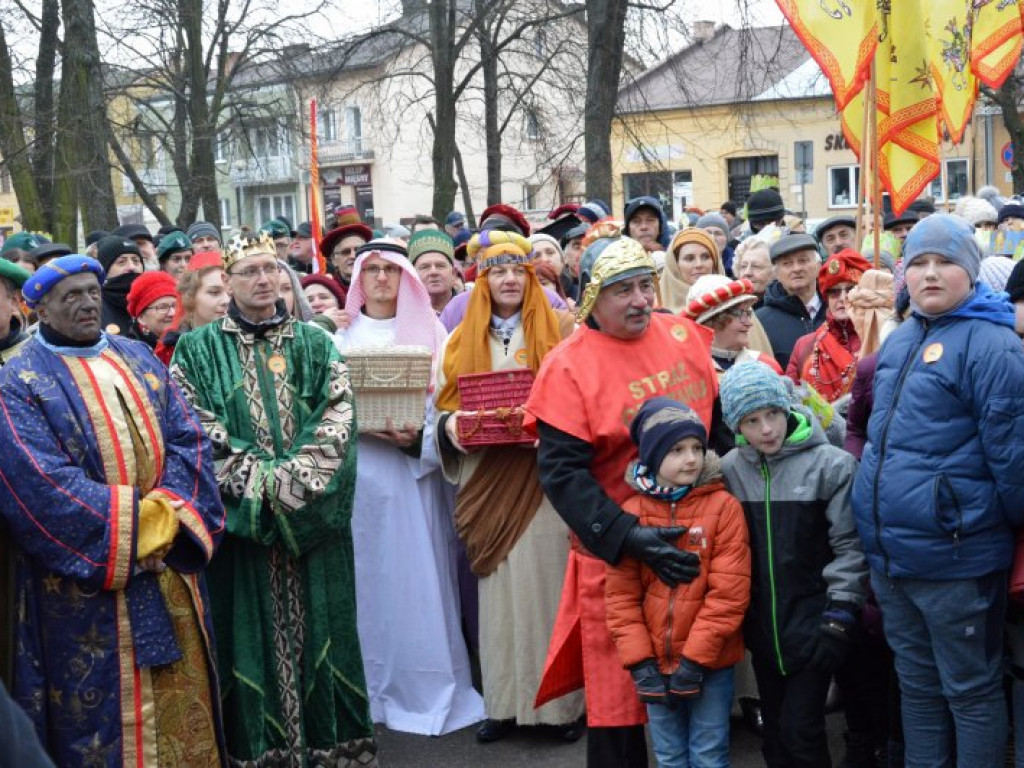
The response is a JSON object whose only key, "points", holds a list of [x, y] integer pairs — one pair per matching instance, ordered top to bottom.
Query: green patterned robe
{"points": [[278, 410]]}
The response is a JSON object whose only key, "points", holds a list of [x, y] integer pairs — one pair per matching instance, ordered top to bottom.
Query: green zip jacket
{"points": [[805, 551]]}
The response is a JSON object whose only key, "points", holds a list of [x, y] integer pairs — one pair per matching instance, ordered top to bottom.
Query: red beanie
{"points": [[846, 266], [327, 282], [147, 288]]}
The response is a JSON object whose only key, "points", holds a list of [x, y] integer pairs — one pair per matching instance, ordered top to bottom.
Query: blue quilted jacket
{"points": [[941, 482]]}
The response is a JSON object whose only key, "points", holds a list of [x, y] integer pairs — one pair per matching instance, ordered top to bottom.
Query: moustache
{"points": [[645, 312]]}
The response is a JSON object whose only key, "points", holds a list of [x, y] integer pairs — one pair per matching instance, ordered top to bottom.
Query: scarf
{"points": [[258, 329], [469, 347], [831, 365], [646, 481]]}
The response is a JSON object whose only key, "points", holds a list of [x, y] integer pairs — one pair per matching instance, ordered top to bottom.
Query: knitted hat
{"points": [[765, 205], [1016, 210], [593, 211], [978, 211], [506, 218], [713, 220], [203, 229], [134, 230], [694, 235], [95, 236], [948, 236], [541, 237], [431, 241], [172, 243], [788, 244], [112, 246], [846, 266], [995, 271], [51, 273], [324, 281], [1015, 282], [148, 288], [713, 294], [747, 387], [660, 423]]}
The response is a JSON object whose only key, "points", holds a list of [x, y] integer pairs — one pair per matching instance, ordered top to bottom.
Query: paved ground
{"points": [[533, 750]]}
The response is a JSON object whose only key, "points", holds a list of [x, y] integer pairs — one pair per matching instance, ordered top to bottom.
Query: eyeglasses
{"points": [[342, 251], [388, 270], [251, 273], [839, 290], [162, 309], [739, 313]]}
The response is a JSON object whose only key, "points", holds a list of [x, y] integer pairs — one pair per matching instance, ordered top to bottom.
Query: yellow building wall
{"points": [[702, 140]]}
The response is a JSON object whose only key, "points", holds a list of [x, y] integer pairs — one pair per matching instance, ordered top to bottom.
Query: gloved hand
{"points": [[656, 548], [835, 638], [686, 681], [649, 682]]}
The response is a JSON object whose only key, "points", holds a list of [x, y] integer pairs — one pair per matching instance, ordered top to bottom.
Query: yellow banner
{"points": [[995, 39]]}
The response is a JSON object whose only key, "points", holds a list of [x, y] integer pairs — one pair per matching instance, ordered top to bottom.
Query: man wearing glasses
{"points": [[339, 248], [273, 395]]}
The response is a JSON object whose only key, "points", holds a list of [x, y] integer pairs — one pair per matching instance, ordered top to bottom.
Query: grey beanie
{"points": [[713, 220], [203, 229], [947, 235]]}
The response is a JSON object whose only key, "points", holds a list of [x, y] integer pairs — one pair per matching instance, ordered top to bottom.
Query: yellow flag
{"points": [[948, 30], [841, 36], [996, 39]]}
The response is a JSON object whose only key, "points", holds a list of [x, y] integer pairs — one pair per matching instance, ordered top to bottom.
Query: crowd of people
{"points": [[751, 468]]}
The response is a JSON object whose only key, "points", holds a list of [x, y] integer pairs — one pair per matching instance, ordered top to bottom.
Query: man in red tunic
{"points": [[585, 396]]}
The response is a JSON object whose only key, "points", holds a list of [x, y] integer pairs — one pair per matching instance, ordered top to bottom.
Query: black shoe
{"points": [[751, 709], [494, 730], [570, 733]]}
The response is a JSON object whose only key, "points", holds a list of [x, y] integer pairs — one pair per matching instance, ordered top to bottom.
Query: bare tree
{"points": [[1008, 97]]}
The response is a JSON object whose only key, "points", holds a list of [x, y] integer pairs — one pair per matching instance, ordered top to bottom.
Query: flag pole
{"points": [[865, 163], [876, 182], [319, 262]]}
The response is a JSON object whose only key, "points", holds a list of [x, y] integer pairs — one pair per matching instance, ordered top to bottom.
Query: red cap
{"points": [[205, 259], [847, 266], [147, 288]]}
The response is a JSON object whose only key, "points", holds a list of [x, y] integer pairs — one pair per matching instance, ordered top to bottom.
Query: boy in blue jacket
{"points": [[939, 492]]}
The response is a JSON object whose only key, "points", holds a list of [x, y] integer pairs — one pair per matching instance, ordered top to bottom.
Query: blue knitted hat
{"points": [[948, 236], [750, 386], [660, 423]]}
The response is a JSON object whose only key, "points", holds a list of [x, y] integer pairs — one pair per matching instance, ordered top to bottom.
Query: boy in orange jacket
{"points": [[681, 643]]}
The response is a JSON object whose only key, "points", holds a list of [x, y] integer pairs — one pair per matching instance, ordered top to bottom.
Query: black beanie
{"points": [[765, 205], [112, 246], [1015, 282], [660, 423]]}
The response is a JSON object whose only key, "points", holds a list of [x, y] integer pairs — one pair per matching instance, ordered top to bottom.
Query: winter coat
{"points": [[785, 320], [861, 404], [941, 483], [805, 553], [701, 620]]}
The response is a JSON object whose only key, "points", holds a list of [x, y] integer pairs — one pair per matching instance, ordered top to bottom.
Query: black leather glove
{"points": [[656, 548], [835, 638], [686, 681], [649, 682]]}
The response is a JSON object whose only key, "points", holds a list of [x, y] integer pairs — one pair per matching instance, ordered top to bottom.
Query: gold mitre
{"points": [[242, 246], [621, 260]]}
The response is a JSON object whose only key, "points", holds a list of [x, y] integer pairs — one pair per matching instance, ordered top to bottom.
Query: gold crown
{"points": [[241, 246], [622, 256]]}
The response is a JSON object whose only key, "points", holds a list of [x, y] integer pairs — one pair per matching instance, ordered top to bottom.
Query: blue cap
{"points": [[455, 219], [52, 272]]}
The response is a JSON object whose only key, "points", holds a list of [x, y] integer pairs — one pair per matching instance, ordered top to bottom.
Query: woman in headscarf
{"points": [[692, 254], [826, 359], [516, 542]]}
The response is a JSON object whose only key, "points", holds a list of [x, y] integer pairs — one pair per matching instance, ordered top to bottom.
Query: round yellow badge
{"points": [[113, 329], [679, 332], [932, 352], [520, 356], [277, 364]]}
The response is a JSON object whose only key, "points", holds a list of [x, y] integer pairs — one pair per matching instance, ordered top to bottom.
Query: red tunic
{"points": [[590, 387]]}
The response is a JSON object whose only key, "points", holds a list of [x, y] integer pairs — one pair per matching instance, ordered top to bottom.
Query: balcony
{"points": [[343, 151], [263, 170], [154, 179]]}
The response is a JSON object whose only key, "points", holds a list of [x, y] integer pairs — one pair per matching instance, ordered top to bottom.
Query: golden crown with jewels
{"points": [[241, 246]]}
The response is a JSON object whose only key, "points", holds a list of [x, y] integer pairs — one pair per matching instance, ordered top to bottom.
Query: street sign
{"points": [[1006, 154], [803, 161]]}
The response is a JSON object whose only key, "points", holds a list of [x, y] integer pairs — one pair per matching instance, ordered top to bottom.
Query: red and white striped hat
{"points": [[713, 294]]}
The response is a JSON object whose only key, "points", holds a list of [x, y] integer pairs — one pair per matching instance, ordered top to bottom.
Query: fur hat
{"points": [[978, 211], [750, 386]]}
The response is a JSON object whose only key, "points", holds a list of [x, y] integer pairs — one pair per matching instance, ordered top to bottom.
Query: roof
{"points": [[732, 66]]}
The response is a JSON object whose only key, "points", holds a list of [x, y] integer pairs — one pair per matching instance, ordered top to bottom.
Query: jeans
{"points": [[947, 637], [695, 734]]}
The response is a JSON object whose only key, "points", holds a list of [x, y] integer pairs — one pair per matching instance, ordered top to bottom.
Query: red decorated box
{"points": [[495, 401]]}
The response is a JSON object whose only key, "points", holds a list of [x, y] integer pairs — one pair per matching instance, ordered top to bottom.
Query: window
{"points": [[540, 43], [327, 125], [532, 125], [354, 130], [269, 141], [221, 147], [742, 169], [5, 182], [951, 183], [658, 185], [842, 186], [531, 196], [272, 206], [225, 212]]}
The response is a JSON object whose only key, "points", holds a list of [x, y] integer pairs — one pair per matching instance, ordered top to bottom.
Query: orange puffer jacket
{"points": [[701, 620]]}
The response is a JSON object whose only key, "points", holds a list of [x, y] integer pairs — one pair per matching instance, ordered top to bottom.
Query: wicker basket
{"points": [[389, 381], [495, 401]]}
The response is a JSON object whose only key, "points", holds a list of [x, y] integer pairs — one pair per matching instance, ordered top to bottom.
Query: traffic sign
{"points": [[1006, 154]]}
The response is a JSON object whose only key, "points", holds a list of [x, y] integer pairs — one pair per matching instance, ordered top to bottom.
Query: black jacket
{"points": [[785, 320]]}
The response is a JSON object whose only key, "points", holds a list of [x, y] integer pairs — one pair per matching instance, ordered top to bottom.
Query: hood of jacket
{"points": [[664, 236]]}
